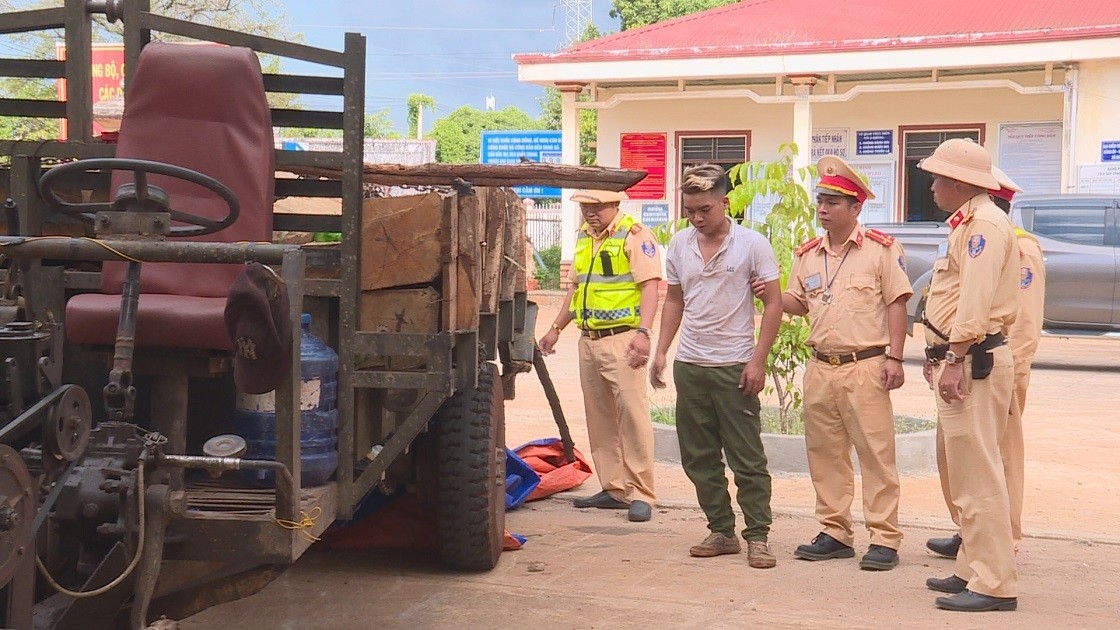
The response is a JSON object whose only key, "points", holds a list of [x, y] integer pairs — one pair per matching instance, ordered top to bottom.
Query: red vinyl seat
{"points": [[202, 107]]}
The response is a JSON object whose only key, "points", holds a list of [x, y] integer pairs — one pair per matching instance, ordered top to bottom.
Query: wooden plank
{"points": [[487, 175], [402, 240], [493, 248], [513, 261], [468, 265], [449, 272], [401, 311]]}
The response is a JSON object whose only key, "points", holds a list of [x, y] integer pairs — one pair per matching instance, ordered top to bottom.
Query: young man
{"points": [[852, 284], [613, 300], [973, 300], [1023, 336], [718, 371]]}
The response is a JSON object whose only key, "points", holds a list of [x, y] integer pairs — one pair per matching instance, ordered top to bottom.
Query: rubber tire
{"points": [[469, 432]]}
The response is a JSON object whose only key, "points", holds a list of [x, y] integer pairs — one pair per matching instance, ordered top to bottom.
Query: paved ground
{"points": [[592, 569]]}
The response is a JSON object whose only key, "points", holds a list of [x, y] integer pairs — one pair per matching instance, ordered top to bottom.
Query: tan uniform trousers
{"points": [[846, 405], [618, 420], [969, 436], [1012, 451]]}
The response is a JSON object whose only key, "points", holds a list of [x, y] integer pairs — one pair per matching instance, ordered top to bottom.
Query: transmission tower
{"points": [[577, 15]]}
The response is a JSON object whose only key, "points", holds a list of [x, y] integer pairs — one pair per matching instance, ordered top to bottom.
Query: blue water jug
{"points": [[255, 416]]}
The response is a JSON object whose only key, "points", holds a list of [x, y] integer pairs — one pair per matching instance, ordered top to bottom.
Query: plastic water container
{"points": [[255, 417]]}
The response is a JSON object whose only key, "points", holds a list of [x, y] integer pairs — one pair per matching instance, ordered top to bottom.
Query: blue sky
{"points": [[456, 51]]}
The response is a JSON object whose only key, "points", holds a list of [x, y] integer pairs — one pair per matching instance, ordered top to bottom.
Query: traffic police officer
{"points": [[852, 283], [612, 298], [972, 302], [1023, 338]]}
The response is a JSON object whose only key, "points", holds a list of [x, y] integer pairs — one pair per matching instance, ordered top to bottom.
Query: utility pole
{"points": [[577, 15]]}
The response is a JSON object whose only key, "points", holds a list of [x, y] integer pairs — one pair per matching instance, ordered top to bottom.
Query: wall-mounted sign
{"points": [[830, 142], [876, 142], [509, 147], [1110, 151], [646, 152], [1031, 155], [880, 179], [1099, 179], [655, 213]]}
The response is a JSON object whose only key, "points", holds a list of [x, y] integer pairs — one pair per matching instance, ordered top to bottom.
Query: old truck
{"points": [[1079, 239], [117, 261]]}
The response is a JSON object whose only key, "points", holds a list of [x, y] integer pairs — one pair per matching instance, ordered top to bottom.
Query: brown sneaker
{"points": [[715, 545], [759, 556]]}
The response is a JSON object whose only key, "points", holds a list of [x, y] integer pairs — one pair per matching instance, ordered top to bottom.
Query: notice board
{"points": [[646, 152]]}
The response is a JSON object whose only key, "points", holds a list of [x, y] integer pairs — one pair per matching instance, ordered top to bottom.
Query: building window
{"points": [[918, 143], [726, 148]]}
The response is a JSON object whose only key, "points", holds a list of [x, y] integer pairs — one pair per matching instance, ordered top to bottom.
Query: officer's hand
{"points": [[758, 286], [548, 342], [637, 353], [656, 368], [927, 372], [893, 375], [753, 378], [951, 385]]}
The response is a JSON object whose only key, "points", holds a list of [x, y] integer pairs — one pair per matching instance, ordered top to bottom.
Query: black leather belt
{"points": [[606, 332], [936, 354], [841, 359]]}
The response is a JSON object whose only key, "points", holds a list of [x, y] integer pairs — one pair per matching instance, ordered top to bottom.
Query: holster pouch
{"points": [[982, 359]]}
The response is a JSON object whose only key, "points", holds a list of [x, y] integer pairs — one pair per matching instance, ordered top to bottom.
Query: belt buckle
{"points": [[834, 359]]}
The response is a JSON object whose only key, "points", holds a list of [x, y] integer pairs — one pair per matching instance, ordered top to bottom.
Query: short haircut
{"points": [[705, 178]]}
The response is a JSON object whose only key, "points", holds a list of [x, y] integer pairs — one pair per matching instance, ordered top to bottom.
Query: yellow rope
{"points": [[305, 523]]}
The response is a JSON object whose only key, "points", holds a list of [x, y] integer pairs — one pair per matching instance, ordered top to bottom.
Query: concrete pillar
{"points": [[803, 120], [569, 145]]}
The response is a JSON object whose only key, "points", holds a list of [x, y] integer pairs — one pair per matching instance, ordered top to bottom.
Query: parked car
{"points": [[1079, 236]]}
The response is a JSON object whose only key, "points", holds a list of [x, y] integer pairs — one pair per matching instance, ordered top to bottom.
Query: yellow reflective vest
{"points": [[606, 295]]}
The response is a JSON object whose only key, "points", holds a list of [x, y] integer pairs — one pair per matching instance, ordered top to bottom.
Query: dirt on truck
{"points": [[135, 472]]}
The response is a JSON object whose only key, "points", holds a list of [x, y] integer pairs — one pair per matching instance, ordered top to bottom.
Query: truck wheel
{"points": [[470, 442]]}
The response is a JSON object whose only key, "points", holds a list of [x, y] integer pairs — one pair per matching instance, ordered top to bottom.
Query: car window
{"points": [[1084, 226]]}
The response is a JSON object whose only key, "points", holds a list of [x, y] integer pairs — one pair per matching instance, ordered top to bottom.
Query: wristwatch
{"points": [[644, 331], [951, 357]]}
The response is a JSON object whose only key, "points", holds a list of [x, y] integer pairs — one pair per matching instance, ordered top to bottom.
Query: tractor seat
{"points": [[202, 107]]}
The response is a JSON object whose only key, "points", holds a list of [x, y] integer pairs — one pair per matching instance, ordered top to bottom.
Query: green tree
{"points": [[639, 13], [417, 103], [551, 112], [379, 124], [458, 135], [789, 223]]}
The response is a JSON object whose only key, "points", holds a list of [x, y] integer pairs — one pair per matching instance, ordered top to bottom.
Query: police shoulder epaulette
{"points": [[882, 238], [807, 245]]}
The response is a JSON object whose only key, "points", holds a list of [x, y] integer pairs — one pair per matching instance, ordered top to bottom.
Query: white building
{"points": [[880, 82]]}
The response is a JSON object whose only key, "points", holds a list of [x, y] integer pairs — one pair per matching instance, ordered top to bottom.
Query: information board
{"points": [[830, 142], [875, 142], [509, 147], [1110, 150], [645, 152], [1031, 155], [880, 178], [1099, 179], [655, 213]]}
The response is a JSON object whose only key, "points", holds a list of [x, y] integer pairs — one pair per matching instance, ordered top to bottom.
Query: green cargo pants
{"points": [[714, 415]]}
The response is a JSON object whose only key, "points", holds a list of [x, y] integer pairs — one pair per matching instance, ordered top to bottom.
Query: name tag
{"points": [[943, 249], [813, 282]]}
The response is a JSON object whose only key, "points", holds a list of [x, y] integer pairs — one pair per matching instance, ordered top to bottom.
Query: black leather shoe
{"points": [[601, 500], [640, 511], [824, 547], [947, 547], [879, 558], [951, 584], [967, 601]]}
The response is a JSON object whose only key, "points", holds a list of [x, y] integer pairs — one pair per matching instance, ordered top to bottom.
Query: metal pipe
{"points": [[68, 248], [221, 464]]}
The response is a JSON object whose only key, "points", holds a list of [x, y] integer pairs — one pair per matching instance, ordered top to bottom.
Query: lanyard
{"points": [[826, 297]]}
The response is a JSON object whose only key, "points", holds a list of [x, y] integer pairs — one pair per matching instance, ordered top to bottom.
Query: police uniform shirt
{"points": [[641, 249], [865, 276], [975, 285], [1027, 329]]}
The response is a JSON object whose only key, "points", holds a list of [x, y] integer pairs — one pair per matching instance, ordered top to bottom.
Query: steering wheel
{"points": [[142, 196]]}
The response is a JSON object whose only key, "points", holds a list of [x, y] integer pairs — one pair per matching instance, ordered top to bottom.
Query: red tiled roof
{"points": [[783, 27]]}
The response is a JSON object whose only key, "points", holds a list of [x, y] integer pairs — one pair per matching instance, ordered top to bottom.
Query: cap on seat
{"points": [[963, 160], [839, 178], [1007, 186], [598, 196], [260, 327]]}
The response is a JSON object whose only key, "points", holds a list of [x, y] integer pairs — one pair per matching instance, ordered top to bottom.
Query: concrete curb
{"points": [[915, 453]]}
